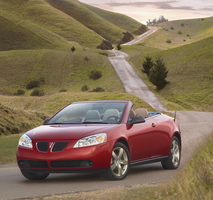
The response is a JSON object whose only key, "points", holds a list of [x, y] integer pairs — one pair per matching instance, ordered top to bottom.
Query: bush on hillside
{"points": [[119, 47], [73, 49], [104, 53], [95, 74], [33, 84], [84, 88], [98, 89], [63, 90], [19, 92], [37, 93]]}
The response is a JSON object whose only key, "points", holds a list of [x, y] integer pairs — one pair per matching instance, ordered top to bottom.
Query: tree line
{"points": [[157, 21]]}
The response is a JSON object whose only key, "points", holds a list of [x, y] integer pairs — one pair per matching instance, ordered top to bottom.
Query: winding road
{"points": [[195, 127]]}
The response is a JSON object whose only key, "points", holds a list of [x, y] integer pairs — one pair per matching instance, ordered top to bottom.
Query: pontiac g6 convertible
{"points": [[104, 136]]}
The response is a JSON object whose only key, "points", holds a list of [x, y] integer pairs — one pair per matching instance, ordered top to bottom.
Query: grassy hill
{"points": [[41, 14], [68, 19], [91, 20], [120, 20], [181, 32], [41, 33], [190, 65], [57, 69]]}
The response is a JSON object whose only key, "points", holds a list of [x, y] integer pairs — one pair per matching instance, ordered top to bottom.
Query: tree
{"points": [[119, 47], [73, 49], [147, 65], [158, 74]]}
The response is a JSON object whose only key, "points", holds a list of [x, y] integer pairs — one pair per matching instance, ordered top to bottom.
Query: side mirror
{"points": [[46, 120], [136, 120]]}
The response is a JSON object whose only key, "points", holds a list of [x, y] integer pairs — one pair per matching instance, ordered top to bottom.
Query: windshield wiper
{"points": [[95, 123]]}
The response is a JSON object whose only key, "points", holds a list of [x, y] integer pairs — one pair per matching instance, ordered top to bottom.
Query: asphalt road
{"points": [[132, 82]]}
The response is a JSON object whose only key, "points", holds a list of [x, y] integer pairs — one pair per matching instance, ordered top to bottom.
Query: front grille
{"points": [[43, 146], [50, 146], [59, 146], [71, 163], [32, 164]]}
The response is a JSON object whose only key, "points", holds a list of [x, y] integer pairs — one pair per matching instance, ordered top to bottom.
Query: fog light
{"points": [[86, 163]]}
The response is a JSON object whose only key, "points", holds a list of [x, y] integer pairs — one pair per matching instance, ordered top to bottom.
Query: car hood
{"points": [[67, 132]]}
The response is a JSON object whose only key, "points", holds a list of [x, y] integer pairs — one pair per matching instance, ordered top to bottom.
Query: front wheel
{"points": [[173, 161], [119, 166], [34, 176]]}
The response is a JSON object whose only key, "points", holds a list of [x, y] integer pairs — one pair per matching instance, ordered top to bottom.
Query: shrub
{"points": [[179, 32], [168, 41], [119, 47], [73, 49], [103, 53], [95, 74], [33, 84], [85, 88], [98, 89], [63, 90], [19, 92], [37, 93]]}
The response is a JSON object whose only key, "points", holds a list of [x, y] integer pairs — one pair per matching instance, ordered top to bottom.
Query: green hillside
{"points": [[39, 13], [89, 19], [67, 20], [120, 20], [181, 32], [190, 65], [57, 69]]}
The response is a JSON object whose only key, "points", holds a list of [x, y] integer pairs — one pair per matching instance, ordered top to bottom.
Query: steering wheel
{"points": [[116, 118]]}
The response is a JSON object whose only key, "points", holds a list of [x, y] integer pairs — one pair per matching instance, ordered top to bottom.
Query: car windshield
{"points": [[90, 113]]}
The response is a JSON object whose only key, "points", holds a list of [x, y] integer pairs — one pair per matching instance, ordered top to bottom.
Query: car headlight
{"points": [[91, 140], [25, 141]]}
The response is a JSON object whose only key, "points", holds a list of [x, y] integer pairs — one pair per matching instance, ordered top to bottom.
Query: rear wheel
{"points": [[173, 161], [119, 166], [34, 176]]}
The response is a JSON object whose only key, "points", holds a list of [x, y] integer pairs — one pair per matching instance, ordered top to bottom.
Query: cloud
{"points": [[166, 5]]}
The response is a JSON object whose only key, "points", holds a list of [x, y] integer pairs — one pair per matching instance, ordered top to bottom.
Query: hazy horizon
{"points": [[142, 11]]}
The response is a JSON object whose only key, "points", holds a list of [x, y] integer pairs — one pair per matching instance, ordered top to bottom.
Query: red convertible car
{"points": [[105, 136]]}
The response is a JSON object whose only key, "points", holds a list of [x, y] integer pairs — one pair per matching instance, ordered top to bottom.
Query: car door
{"points": [[164, 131], [142, 140]]}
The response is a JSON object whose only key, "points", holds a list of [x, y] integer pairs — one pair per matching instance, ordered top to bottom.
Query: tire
{"points": [[173, 161], [120, 163], [34, 176]]}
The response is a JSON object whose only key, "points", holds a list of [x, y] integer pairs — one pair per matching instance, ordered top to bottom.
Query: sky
{"points": [[143, 10]]}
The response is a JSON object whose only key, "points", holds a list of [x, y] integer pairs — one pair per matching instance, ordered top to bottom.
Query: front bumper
{"points": [[69, 159]]}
